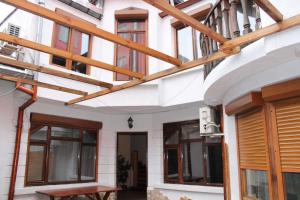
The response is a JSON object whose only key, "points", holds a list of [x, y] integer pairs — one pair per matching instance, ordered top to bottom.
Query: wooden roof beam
{"points": [[269, 8], [186, 19], [88, 28], [258, 34], [231, 47], [67, 55], [47, 70], [167, 72], [40, 84]]}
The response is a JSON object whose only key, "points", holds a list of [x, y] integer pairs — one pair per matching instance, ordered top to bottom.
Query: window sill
{"points": [[191, 188], [33, 189]]}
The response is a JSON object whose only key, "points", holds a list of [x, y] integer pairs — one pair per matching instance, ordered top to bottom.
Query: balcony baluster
{"points": [[224, 18], [234, 25], [247, 27]]}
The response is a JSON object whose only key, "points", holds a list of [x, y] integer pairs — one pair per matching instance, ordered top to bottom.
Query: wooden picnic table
{"points": [[92, 192]]}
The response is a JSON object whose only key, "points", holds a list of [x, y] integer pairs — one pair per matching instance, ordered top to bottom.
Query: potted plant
{"points": [[123, 167]]}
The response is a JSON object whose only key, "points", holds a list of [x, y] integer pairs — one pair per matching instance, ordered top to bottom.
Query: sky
{"points": [[4, 10]]}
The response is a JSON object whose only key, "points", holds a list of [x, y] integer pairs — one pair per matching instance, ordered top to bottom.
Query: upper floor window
{"points": [[131, 24], [135, 30], [188, 39], [73, 41], [188, 44], [61, 150], [189, 158]]}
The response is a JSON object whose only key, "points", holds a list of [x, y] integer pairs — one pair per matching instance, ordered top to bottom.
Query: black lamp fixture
{"points": [[130, 122]]}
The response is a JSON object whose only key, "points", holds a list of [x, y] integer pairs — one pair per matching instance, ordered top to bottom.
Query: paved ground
{"points": [[132, 195]]}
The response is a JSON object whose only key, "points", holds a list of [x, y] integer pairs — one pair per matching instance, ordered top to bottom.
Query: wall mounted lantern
{"points": [[130, 122]]}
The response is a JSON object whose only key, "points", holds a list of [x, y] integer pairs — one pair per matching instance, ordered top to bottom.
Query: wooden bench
{"points": [[91, 193]]}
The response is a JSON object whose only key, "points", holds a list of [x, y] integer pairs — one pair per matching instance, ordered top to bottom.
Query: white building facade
{"points": [[173, 99]]}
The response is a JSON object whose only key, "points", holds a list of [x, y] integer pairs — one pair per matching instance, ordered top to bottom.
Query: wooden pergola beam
{"points": [[269, 8], [186, 19], [88, 28], [260, 33], [229, 48], [67, 55], [47, 70], [167, 72], [40, 84]]}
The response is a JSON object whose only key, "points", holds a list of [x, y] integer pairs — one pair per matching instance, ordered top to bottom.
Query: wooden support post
{"points": [[269, 8], [186, 19], [88, 28], [66, 54], [46, 70], [173, 70], [40, 84]]}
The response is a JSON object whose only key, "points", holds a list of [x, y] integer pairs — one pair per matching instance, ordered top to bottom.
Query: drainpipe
{"points": [[19, 131]]}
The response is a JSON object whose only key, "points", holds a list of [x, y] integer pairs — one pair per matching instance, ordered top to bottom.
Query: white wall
{"points": [[151, 123]]}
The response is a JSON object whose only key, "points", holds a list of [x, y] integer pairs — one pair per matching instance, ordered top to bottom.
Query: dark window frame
{"points": [[131, 15], [55, 38], [194, 43], [50, 121], [167, 130]]}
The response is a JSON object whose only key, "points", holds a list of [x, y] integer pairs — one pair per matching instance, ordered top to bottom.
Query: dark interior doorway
{"points": [[132, 166]]}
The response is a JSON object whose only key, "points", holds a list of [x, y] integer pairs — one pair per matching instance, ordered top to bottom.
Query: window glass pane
{"points": [[131, 25], [138, 25], [124, 26], [63, 34], [61, 42], [185, 44], [80, 46], [198, 47], [123, 58], [138, 59], [59, 61], [190, 131], [39, 132], [65, 132], [89, 137], [173, 138], [172, 157], [63, 161], [88, 162], [192, 162], [35, 163], [214, 163], [257, 184], [292, 185]]}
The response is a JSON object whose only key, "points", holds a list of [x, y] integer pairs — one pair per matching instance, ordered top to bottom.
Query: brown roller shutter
{"points": [[288, 130], [252, 140]]}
